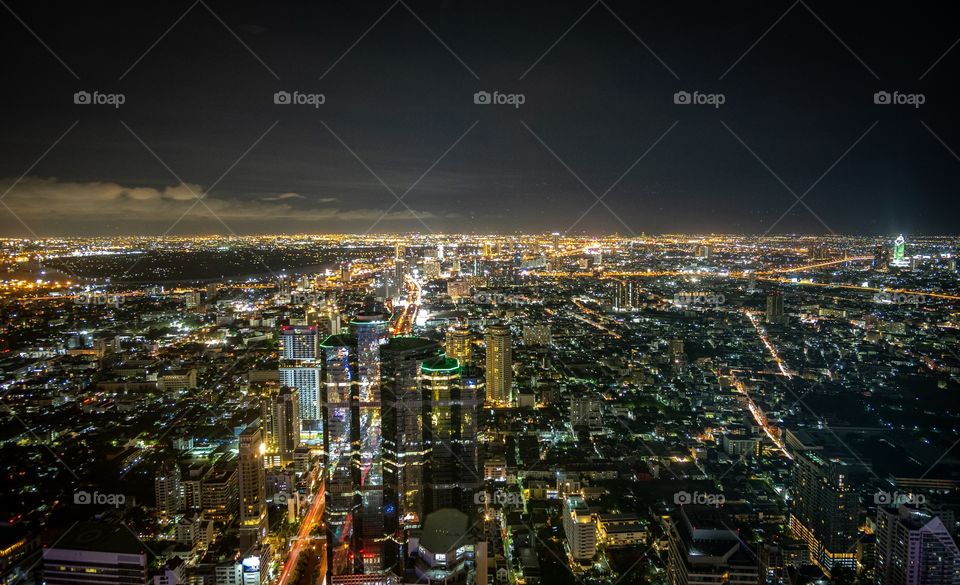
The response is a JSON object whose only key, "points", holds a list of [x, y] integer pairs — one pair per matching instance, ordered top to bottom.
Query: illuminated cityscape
{"points": [[498, 293]]}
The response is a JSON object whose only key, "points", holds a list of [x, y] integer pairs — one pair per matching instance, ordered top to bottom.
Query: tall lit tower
{"points": [[899, 253], [775, 314], [371, 328], [458, 344], [499, 365], [299, 368], [451, 399], [286, 422], [405, 452], [341, 471], [252, 483]]}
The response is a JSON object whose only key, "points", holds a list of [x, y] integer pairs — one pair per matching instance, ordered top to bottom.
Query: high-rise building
{"points": [[775, 314], [371, 328], [298, 342], [459, 344], [339, 353], [299, 369], [499, 369], [306, 378], [451, 398], [286, 422], [405, 452], [252, 484], [168, 490], [826, 507], [580, 528], [914, 547], [704, 551], [96, 553]]}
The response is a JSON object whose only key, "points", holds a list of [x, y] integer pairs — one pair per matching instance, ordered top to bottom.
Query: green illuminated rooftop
{"points": [[441, 364]]}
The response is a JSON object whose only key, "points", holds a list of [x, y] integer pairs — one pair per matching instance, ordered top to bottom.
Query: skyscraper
{"points": [[775, 314], [371, 328], [298, 342], [459, 344], [339, 366], [299, 369], [499, 369], [451, 400], [286, 421], [405, 452], [252, 483], [168, 489], [826, 507], [914, 548]]}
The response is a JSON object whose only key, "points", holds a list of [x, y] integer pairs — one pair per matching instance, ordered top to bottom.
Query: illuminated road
{"points": [[408, 316], [759, 415], [314, 515]]}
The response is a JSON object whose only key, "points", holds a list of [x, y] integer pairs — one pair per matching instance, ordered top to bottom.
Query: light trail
{"points": [[306, 526]]}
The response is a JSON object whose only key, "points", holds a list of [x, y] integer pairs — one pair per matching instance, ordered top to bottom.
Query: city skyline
{"points": [[421, 292]]}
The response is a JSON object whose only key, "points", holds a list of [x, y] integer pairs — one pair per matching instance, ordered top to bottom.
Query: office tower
{"points": [[703, 252], [752, 282], [626, 295], [775, 314], [371, 328], [536, 335], [298, 342], [459, 344], [339, 353], [499, 365], [299, 369], [306, 378], [450, 401], [286, 422], [268, 424], [405, 453], [252, 484], [168, 490], [218, 491], [825, 507], [580, 528], [914, 548], [704, 551], [96, 553]]}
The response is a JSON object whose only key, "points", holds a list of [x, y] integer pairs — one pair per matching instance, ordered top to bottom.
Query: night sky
{"points": [[598, 80]]}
